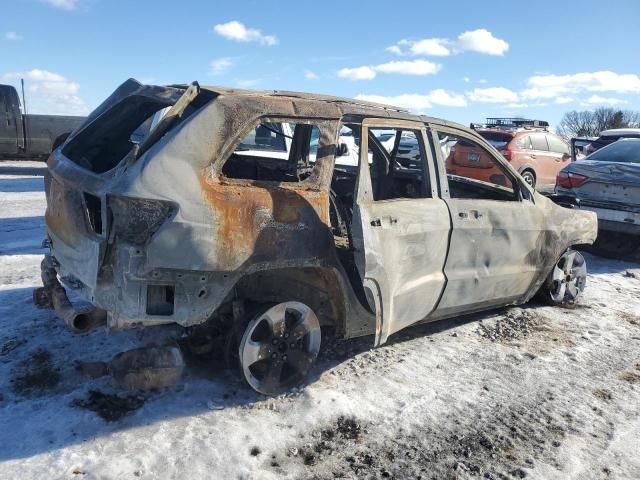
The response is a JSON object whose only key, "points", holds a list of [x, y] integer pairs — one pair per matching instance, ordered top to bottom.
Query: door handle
{"points": [[533, 156], [474, 214], [376, 222]]}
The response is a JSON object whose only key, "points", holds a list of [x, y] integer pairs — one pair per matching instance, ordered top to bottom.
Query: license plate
{"points": [[473, 157]]}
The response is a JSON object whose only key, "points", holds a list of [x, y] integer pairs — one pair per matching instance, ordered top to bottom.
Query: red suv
{"points": [[534, 152]]}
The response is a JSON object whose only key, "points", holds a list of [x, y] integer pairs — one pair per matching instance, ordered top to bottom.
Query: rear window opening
{"points": [[115, 129], [497, 139]]}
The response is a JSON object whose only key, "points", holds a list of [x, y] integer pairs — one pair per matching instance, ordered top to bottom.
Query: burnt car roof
{"points": [[347, 106]]}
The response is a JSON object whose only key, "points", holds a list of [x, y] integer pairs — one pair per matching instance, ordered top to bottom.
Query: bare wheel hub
{"points": [[568, 278], [279, 346]]}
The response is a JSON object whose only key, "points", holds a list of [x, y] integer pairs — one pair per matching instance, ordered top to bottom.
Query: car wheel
{"points": [[529, 177], [567, 279], [279, 347]]}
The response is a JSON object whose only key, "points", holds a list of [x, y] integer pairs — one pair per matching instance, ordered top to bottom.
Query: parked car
{"points": [[30, 136], [583, 146], [535, 153], [607, 182], [186, 228]]}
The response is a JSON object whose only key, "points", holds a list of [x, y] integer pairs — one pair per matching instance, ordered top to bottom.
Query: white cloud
{"points": [[64, 4], [237, 31], [13, 36], [481, 41], [395, 49], [221, 65], [412, 67], [357, 73], [309, 75], [466, 79], [549, 86], [50, 92], [492, 95], [440, 96], [406, 100], [562, 100], [598, 100], [418, 102], [518, 105]]}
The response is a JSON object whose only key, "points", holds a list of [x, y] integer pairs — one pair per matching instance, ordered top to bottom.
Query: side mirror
{"points": [[343, 150]]}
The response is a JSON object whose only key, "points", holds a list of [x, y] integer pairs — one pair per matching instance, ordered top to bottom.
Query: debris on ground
{"points": [[516, 323], [10, 345], [145, 368], [36, 374], [110, 407]]}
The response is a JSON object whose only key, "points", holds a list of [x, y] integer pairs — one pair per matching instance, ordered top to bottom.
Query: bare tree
{"points": [[589, 123]]}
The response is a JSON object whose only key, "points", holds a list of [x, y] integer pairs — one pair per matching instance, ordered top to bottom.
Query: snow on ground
{"points": [[535, 392]]}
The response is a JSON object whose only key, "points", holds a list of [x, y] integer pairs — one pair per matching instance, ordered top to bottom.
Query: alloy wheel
{"points": [[568, 278], [279, 347]]}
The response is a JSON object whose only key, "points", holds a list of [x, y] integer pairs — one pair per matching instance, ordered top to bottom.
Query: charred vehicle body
{"points": [[184, 227]]}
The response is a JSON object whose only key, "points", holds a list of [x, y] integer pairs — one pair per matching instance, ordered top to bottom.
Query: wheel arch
{"points": [[318, 287]]}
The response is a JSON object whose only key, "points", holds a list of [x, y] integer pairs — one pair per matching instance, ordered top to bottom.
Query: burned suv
{"points": [[205, 223]]}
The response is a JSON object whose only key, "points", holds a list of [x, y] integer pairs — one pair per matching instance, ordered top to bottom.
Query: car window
{"points": [[266, 137], [499, 140], [524, 142], [539, 142], [557, 145], [622, 151], [282, 152], [398, 164], [472, 171]]}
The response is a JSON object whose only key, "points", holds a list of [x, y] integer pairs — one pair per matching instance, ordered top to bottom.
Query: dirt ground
{"points": [[525, 392]]}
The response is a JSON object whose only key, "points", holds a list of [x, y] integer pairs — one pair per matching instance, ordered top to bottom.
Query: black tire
{"points": [[530, 177]]}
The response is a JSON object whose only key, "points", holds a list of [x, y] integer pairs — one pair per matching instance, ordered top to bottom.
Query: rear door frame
{"points": [[400, 244]]}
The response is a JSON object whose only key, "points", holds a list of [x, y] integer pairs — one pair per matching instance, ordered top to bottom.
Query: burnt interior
{"points": [[275, 152]]}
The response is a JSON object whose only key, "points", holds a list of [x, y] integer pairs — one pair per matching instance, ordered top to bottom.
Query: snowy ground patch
{"points": [[533, 391]]}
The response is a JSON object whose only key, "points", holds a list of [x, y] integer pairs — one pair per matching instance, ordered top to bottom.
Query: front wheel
{"points": [[529, 177], [567, 279], [279, 347]]}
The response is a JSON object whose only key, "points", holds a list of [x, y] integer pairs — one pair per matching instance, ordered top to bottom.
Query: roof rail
{"points": [[515, 123]]}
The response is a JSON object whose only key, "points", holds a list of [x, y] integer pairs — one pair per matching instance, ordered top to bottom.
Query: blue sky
{"points": [[457, 60]]}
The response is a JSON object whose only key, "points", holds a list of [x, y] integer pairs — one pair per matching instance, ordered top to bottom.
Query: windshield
{"points": [[622, 151]]}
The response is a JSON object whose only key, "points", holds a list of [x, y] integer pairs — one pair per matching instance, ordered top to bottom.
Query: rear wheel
{"points": [[529, 177], [567, 279], [279, 346]]}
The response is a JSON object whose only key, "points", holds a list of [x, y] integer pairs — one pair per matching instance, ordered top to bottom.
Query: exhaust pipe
{"points": [[53, 295]]}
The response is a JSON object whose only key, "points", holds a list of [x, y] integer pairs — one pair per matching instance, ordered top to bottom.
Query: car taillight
{"points": [[506, 153], [570, 180], [136, 220]]}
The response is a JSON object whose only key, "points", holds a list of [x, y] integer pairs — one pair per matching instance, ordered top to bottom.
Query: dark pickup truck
{"points": [[30, 136]]}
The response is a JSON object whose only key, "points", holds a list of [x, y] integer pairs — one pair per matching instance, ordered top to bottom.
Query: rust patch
{"points": [[260, 222]]}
